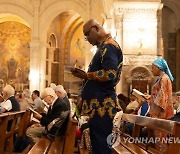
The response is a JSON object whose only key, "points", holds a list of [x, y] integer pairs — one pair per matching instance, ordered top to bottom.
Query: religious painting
{"points": [[78, 50], [15, 53]]}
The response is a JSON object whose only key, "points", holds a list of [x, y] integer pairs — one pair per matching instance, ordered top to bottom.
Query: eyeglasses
{"points": [[87, 33]]}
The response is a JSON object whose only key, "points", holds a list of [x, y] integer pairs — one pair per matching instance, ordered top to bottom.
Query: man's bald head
{"points": [[91, 22], [93, 31]]}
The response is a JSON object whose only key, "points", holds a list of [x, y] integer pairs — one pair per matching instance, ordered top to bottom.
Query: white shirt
{"points": [[7, 105]]}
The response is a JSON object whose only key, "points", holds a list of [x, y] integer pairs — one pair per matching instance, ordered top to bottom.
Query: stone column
{"points": [[35, 28], [119, 29], [159, 31], [119, 39], [37, 53], [35, 56], [42, 61], [178, 61]]}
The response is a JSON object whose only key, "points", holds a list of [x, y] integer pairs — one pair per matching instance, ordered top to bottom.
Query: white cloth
{"points": [[7, 105], [117, 119], [82, 120], [114, 137]]}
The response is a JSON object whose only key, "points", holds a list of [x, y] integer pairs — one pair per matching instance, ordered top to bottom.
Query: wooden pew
{"points": [[10, 123], [23, 124], [168, 126], [3, 127], [21, 127], [57, 145], [41, 147]]}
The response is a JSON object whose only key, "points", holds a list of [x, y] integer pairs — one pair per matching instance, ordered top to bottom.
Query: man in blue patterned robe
{"points": [[98, 92]]}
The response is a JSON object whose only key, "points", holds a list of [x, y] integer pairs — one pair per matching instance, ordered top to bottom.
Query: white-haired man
{"points": [[62, 94], [10, 103], [55, 109]]}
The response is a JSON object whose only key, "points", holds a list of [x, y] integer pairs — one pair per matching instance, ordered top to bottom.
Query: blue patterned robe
{"points": [[98, 94]]}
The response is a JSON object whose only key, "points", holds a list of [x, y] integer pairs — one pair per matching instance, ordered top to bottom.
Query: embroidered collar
{"points": [[104, 40]]}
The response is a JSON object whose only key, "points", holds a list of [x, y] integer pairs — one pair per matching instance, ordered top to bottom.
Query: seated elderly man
{"points": [[62, 94], [10, 103], [55, 109]]}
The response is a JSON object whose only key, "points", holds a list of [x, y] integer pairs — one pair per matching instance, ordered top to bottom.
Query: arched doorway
{"points": [[65, 49], [140, 77]]}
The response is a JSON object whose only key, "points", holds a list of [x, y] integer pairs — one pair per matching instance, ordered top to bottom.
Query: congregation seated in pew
{"points": [[56, 107]]}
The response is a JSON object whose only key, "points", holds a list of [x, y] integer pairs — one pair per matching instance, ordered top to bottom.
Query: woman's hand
{"points": [[147, 96]]}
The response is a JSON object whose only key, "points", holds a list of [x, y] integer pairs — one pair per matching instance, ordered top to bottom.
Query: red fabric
{"points": [[78, 132]]}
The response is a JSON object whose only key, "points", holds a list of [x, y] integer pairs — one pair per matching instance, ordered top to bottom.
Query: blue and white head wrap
{"points": [[162, 65]]}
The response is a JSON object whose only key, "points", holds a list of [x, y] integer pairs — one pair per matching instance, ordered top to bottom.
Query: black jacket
{"points": [[66, 101], [15, 104], [57, 108]]}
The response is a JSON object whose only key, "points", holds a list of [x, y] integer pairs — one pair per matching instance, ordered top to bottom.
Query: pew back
{"points": [[10, 123], [151, 124], [57, 145]]}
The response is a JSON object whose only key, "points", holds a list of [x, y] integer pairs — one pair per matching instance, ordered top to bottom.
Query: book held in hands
{"points": [[138, 94], [32, 117]]}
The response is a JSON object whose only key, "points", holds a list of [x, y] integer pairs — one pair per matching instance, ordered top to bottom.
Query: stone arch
{"points": [[173, 7], [22, 11], [47, 15], [75, 21], [66, 36], [52, 41], [140, 73]]}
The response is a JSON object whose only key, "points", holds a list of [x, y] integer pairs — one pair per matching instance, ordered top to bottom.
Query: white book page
{"points": [[138, 92], [33, 110], [34, 119]]}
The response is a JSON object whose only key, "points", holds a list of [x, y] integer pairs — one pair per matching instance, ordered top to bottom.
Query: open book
{"points": [[77, 70], [138, 94], [32, 110], [33, 118]]}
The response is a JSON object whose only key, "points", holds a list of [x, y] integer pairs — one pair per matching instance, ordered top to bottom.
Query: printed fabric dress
{"points": [[161, 98], [161, 106]]}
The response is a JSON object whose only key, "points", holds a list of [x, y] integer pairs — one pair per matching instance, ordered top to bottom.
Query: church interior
{"points": [[40, 40]]}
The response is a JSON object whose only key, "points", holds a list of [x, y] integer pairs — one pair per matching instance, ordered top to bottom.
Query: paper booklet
{"points": [[71, 68], [80, 70], [138, 94], [31, 109], [33, 118]]}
